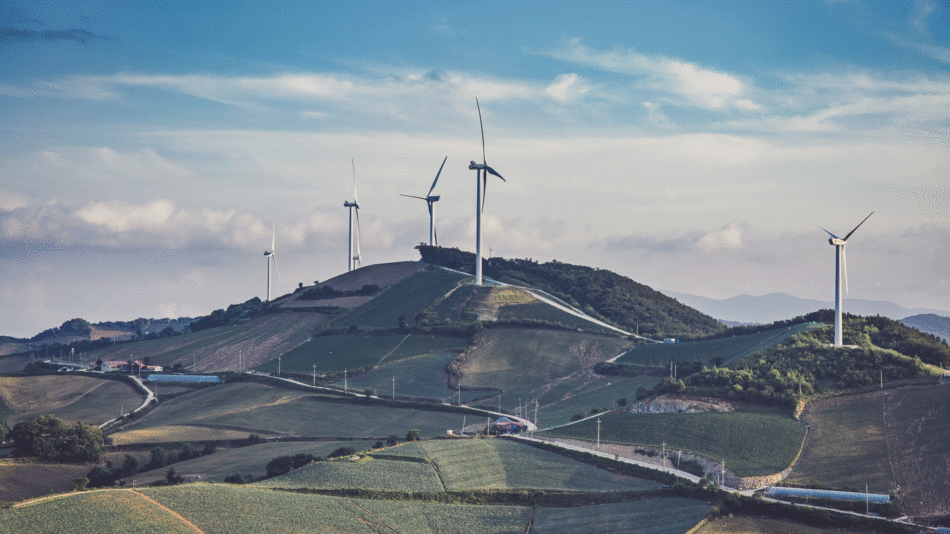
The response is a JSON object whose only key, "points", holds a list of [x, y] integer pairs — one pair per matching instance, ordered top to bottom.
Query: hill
{"points": [[600, 293], [930, 323]]}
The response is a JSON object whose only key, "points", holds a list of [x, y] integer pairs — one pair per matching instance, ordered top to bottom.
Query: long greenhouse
{"points": [[805, 493]]}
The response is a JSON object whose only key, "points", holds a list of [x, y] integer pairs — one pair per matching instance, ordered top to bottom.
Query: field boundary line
{"points": [[394, 349], [887, 438], [434, 466], [38, 500], [169, 510], [374, 516]]}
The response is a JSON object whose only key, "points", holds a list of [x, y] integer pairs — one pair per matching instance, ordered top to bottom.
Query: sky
{"points": [[147, 150]]}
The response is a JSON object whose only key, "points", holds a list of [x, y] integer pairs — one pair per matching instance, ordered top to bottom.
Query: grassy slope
{"points": [[405, 298], [541, 311], [728, 348], [217, 349], [333, 354], [525, 361], [420, 376], [601, 394], [70, 397], [918, 426], [753, 444], [846, 445], [498, 463], [378, 474], [20, 481], [657, 516], [759, 525]]}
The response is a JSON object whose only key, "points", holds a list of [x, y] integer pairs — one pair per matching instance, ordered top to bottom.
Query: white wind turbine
{"points": [[483, 171], [430, 198], [271, 255], [351, 259], [841, 275]]}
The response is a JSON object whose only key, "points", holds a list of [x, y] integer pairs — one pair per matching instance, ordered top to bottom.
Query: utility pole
{"points": [[278, 366], [315, 375], [344, 381], [394, 388], [535, 413], [598, 433], [663, 456], [722, 476], [867, 500]]}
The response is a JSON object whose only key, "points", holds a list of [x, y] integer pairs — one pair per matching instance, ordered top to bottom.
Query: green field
{"points": [[405, 298], [466, 299], [542, 311], [728, 348], [333, 354], [523, 361], [420, 376], [601, 393], [71, 397], [250, 407], [918, 425], [752, 443], [846, 446], [251, 460], [466, 464], [368, 473], [672, 515], [761, 525]]}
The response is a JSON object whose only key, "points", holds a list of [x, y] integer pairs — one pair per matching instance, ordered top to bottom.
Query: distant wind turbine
{"points": [[483, 170], [430, 198], [271, 256], [351, 259], [841, 275]]}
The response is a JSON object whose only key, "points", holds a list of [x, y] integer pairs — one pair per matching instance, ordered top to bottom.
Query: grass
{"points": [[405, 298], [465, 299], [541, 311], [728, 348], [333, 354], [523, 361], [420, 376], [601, 393], [70, 397], [249, 407], [918, 425], [173, 434], [752, 443], [846, 445], [251, 460], [467, 464], [377, 474], [21, 481], [672, 515], [761, 525]]}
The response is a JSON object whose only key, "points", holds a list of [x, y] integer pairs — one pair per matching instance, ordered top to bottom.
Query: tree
{"points": [[412, 435], [48, 437], [159, 458], [130, 465], [171, 478]]}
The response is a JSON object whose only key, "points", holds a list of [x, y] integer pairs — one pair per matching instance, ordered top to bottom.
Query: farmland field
{"points": [[405, 298], [466, 299], [729, 348], [218, 349], [333, 354], [522, 361], [420, 376], [602, 394], [70, 397], [249, 407], [918, 428], [177, 433], [752, 443], [846, 445], [251, 460], [499, 463], [377, 474], [20, 481], [672, 515], [760, 525]]}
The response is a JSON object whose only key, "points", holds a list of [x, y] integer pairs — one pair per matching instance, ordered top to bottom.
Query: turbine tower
{"points": [[482, 171], [430, 198], [271, 256], [351, 259], [841, 275]]}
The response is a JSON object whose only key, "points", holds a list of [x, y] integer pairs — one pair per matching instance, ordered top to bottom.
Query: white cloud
{"points": [[567, 87], [728, 237]]}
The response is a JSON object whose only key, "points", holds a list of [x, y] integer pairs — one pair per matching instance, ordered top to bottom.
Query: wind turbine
{"points": [[483, 170], [430, 198], [271, 256], [351, 259], [841, 275]]}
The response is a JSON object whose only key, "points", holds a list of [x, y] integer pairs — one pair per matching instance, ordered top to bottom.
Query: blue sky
{"points": [[147, 149]]}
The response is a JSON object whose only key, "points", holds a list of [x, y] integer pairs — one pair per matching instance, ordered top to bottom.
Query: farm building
{"points": [[123, 365], [189, 379], [504, 424], [805, 493]]}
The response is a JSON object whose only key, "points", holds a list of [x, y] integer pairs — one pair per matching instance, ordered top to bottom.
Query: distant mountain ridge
{"points": [[780, 306]]}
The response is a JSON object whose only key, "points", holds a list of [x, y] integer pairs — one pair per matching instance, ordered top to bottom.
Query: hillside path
{"points": [[169, 510]]}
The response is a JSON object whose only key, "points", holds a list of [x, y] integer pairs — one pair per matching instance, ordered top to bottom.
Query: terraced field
{"points": [[727, 349], [333, 354], [523, 361], [70, 397], [752, 443], [846, 446], [367, 473], [657, 516]]}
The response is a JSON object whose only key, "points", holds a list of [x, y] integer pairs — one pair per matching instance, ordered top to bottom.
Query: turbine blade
{"points": [[482, 126], [492, 171], [437, 176], [484, 189], [412, 196], [355, 201], [430, 209], [856, 227], [435, 230], [829, 233], [273, 236], [359, 237], [276, 267], [844, 267]]}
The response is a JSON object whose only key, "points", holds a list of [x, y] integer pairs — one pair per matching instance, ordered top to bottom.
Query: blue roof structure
{"points": [[189, 379], [803, 493]]}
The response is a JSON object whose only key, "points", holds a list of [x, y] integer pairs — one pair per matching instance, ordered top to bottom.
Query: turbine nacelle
{"points": [[348, 204], [836, 241], [267, 253]]}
